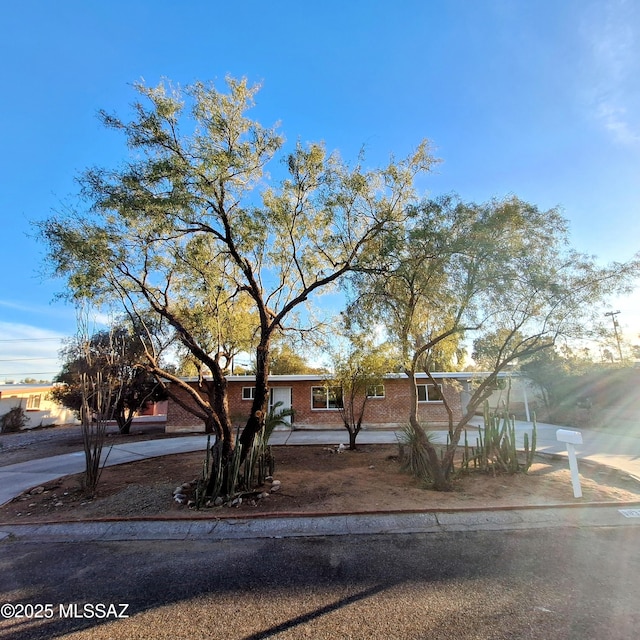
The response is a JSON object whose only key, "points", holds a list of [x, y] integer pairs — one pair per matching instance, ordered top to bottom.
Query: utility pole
{"points": [[613, 315]]}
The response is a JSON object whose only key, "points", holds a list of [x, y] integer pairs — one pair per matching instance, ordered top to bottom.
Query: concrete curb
{"points": [[16, 478], [504, 519]]}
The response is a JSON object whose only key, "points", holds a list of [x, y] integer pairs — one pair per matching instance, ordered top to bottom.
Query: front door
{"points": [[283, 395]]}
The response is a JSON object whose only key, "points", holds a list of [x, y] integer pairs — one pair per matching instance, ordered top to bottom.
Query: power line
{"points": [[30, 339], [26, 359], [28, 373]]}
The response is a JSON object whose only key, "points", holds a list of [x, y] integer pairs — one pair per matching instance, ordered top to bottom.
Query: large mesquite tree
{"points": [[192, 230], [499, 276]]}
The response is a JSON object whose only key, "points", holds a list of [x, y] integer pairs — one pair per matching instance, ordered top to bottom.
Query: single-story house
{"points": [[34, 400], [315, 401]]}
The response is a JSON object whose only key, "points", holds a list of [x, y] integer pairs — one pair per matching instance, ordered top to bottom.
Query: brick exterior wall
{"points": [[389, 412], [178, 418]]}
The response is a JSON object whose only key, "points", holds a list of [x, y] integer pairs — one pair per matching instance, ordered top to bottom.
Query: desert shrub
{"points": [[275, 418], [14, 420], [413, 454]]}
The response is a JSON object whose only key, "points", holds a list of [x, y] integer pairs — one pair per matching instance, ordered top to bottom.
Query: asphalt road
{"points": [[562, 583]]}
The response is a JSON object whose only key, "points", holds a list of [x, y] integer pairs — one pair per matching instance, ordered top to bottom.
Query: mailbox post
{"points": [[571, 438]]}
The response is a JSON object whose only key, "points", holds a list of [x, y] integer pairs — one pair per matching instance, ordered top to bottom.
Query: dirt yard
{"points": [[314, 479]]}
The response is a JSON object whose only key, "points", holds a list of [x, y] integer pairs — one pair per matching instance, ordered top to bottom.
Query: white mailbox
{"points": [[564, 435], [571, 438]]}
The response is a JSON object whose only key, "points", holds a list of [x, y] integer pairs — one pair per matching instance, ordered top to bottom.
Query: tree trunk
{"points": [[352, 416], [124, 419], [219, 421], [255, 422], [124, 426], [353, 434], [439, 475]]}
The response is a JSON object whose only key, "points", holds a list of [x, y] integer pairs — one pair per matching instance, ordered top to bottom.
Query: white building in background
{"points": [[34, 400]]}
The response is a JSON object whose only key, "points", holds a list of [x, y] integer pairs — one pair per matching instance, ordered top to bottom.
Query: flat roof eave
{"points": [[455, 375]]}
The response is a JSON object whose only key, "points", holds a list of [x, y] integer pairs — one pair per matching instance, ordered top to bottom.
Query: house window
{"points": [[375, 391], [248, 393], [429, 393], [326, 397], [33, 402]]}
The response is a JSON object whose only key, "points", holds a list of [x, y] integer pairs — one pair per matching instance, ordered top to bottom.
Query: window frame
{"points": [[426, 386], [375, 387], [326, 388], [251, 395], [33, 402]]}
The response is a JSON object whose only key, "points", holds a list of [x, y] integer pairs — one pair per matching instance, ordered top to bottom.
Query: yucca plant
{"points": [[275, 418], [413, 455]]}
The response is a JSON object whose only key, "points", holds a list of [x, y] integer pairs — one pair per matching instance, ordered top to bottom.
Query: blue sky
{"points": [[538, 99]]}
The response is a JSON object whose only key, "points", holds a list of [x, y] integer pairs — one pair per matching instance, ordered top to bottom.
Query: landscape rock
{"points": [[36, 491]]}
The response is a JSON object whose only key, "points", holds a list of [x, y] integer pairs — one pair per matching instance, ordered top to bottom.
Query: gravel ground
{"points": [[133, 501]]}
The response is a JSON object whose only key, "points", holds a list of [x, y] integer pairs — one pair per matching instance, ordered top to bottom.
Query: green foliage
{"points": [[192, 230], [498, 274], [118, 355], [284, 360], [357, 369], [576, 391], [276, 417], [14, 420], [414, 457], [259, 463], [207, 479]]}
